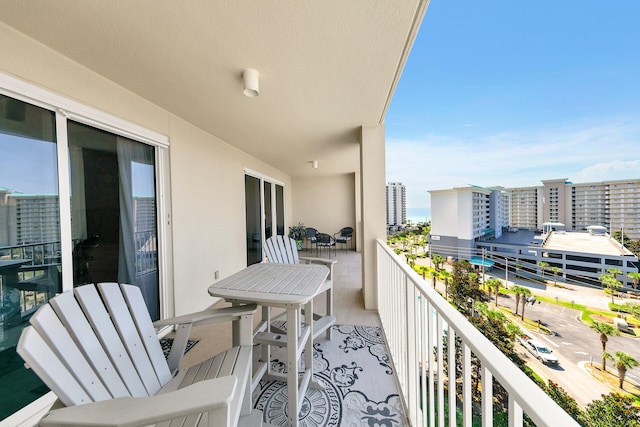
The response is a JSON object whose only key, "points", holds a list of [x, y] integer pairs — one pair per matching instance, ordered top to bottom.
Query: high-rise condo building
{"points": [[396, 203], [614, 205], [518, 224]]}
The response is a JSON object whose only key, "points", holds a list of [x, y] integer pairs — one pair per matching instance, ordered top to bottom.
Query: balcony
{"points": [[410, 315]]}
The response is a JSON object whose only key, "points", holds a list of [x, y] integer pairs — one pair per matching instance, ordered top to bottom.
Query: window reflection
{"points": [[30, 258]]}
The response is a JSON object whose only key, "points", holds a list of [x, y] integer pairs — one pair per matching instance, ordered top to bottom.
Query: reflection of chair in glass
{"points": [[311, 236], [343, 236], [323, 240], [282, 249], [97, 350]]}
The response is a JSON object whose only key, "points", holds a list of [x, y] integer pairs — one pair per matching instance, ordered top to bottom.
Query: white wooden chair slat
{"points": [[281, 249], [71, 315], [100, 320], [70, 321], [124, 323], [53, 332], [147, 332], [39, 356]]}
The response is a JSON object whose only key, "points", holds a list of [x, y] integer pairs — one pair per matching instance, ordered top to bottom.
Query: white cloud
{"points": [[513, 159]]}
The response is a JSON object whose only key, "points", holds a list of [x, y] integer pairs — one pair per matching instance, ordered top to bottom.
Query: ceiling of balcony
{"points": [[326, 67]]}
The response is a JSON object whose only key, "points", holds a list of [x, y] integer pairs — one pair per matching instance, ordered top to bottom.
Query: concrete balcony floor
{"points": [[348, 306], [348, 309]]}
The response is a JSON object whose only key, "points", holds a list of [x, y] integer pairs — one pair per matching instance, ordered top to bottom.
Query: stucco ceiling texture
{"points": [[326, 67]]}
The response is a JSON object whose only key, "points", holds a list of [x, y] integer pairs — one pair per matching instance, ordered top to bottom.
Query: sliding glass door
{"points": [[76, 202], [264, 204], [113, 207], [30, 267]]}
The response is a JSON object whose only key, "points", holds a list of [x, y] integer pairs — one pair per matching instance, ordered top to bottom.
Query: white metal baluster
{"points": [[430, 325], [412, 347], [423, 361], [440, 373], [452, 375], [466, 385], [487, 397], [515, 413]]}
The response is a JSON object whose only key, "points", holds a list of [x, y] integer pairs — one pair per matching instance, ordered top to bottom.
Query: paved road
{"points": [[573, 342]]}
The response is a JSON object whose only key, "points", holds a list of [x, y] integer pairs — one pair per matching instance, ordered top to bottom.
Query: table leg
{"points": [[293, 332], [308, 349]]}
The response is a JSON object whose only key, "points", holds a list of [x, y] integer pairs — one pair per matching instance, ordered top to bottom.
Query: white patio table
{"points": [[289, 286]]}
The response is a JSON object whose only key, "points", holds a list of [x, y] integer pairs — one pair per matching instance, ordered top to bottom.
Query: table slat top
{"points": [[273, 283]]}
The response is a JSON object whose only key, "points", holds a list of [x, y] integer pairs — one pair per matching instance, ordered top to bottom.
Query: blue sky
{"points": [[511, 93]]}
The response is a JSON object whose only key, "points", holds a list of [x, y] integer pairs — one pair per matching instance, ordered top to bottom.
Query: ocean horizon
{"points": [[416, 215]]}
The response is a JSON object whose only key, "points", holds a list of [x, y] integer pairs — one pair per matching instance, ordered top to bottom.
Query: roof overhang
{"points": [[326, 68]]}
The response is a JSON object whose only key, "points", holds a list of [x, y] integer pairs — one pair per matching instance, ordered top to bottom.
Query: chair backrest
{"points": [[346, 232], [311, 233], [281, 249], [95, 343]]}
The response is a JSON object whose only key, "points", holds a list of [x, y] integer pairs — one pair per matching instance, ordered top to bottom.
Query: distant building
{"points": [[396, 204], [614, 205], [463, 215], [36, 218], [530, 225]]}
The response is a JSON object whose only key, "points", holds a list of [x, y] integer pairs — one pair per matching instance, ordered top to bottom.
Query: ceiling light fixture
{"points": [[251, 80]]}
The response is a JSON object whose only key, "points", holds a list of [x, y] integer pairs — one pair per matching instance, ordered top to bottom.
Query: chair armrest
{"points": [[312, 260], [212, 315], [200, 397]]}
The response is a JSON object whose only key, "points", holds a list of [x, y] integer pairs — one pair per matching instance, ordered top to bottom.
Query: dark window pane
{"points": [[30, 260]]}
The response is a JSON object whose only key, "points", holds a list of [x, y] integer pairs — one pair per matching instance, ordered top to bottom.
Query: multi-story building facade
{"points": [[396, 204], [614, 205], [526, 207], [463, 215], [36, 218], [467, 220]]}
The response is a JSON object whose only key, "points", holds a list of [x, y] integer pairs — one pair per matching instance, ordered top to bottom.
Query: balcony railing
{"points": [[418, 324]]}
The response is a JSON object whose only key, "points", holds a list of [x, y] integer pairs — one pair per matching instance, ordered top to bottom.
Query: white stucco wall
{"points": [[325, 203], [443, 223]]}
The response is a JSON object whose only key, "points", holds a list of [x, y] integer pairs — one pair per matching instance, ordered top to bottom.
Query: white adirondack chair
{"points": [[282, 249], [97, 350]]}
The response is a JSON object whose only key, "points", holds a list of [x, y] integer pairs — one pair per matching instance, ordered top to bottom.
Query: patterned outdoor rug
{"points": [[166, 343], [361, 390]]}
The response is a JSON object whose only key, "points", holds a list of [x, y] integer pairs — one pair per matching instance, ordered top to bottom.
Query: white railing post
{"points": [[412, 315]]}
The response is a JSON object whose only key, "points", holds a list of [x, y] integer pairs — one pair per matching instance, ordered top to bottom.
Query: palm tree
{"points": [[437, 260], [543, 265], [423, 269], [555, 270], [614, 271], [434, 274], [445, 276], [635, 276], [610, 282], [495, 283], [517, 290], [524, 293], [512, 329], [604, 329], [623, 362]]}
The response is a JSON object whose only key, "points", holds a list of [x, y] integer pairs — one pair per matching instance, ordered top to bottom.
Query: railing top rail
{"points": [[531, 398]]}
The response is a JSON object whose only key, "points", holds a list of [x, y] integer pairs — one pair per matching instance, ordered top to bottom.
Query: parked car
{"points": [[539, 350]]}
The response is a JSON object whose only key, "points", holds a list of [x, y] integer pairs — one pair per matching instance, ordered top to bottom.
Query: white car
{"points": [[540, 351]]}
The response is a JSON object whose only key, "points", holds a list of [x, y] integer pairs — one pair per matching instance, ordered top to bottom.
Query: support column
{"points": [[373, 207]]}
